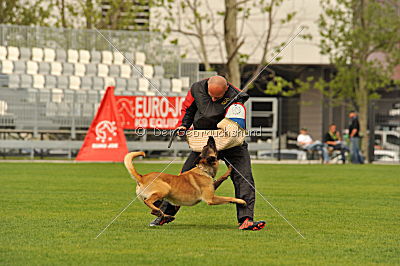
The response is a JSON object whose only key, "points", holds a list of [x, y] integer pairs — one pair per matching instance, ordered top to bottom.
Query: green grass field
{"points": [[51, 213]]}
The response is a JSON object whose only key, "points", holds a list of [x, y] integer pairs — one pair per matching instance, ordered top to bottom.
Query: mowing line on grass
{"points": [[127, 206], [297, 231]]}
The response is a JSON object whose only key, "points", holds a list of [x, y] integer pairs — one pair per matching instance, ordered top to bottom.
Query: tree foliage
{"points": [[25, 12], [72, 13], [201, 23], [362, 40]]}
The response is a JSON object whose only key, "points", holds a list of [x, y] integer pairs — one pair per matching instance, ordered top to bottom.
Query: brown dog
{"points": [[186, 189]]}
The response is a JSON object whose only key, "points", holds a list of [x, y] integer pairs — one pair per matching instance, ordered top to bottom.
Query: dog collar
{"points": [[202, 168]]}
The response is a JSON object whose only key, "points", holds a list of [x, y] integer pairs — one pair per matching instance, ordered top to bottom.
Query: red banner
{"points": [[149, 111], [105, 140]]}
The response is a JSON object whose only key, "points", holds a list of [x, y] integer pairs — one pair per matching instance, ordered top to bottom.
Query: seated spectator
{"points": [[332, 139], [305, 142]]}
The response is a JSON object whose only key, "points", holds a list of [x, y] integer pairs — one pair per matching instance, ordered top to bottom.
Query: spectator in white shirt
{"points": [[305, 142]]}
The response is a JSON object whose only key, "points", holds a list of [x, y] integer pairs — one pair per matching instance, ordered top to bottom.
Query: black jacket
{"points": [[198, 108], [354, 124]]}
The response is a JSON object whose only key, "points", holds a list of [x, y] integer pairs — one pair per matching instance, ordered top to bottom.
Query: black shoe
{"points": [[162, 220], [252, 225]]}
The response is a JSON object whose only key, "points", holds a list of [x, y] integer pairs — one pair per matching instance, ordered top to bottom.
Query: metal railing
{"points": [[31, 109]]}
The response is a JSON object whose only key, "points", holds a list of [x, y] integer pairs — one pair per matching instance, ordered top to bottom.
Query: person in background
{"points": [[354, 134], [333, 139], [305, 142]]}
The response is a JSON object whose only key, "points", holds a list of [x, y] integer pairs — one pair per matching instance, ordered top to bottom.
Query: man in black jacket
{"points": [[207, 103], [354, 134]]}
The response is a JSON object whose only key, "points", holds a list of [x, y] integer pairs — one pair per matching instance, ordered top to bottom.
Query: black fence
{"points": [[384, 125]]}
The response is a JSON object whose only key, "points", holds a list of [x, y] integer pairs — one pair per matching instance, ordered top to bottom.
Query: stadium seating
{"points": [[3, 53], [12, 53], [25, 54], [37, 54], [49, 55], [61, 55], [72, 56], [84, 56], [95, 57], [106, 57], [118, 58], [140, 58], [6, 67], [19, 67], [32, 67], [44, 68], [55, 68], [68, 69], [80, 69], [91, 69], [102, 70], [114, 71], [125, 71], [148, 71], [158, 72], [26, 81], [109, 81], [38, 82], [50, 82], [71, 82], [74, 82], [86, 83], [98, 83], [132, 84], [143, 84], [176, 85], [3, 107]]}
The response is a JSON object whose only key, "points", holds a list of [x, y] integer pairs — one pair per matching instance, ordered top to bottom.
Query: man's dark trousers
{"points": [[240, 159]]}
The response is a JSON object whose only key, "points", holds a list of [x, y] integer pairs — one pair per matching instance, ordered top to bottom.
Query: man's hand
{"points": [[181, 130]]}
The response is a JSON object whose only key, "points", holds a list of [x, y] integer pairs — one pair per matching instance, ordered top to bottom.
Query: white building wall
{"points": [[300, 51]]}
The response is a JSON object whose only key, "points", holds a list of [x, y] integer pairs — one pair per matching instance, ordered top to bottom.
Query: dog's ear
{"points": [[211, 143], [211, 159], [197, 161]]}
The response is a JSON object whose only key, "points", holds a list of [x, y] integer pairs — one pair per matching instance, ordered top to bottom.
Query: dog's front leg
{"points": [[225, 176]]}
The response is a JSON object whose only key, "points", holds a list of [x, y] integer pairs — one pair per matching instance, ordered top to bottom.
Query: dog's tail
{"points": [[129, 165]]}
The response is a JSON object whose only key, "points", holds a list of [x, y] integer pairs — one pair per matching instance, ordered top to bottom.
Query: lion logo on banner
{"points": [[125, 106], [105, 131]]}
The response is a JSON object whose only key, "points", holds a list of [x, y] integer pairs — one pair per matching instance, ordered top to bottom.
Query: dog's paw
{"points": [[230, 169], [227, 173], [242, 202]]}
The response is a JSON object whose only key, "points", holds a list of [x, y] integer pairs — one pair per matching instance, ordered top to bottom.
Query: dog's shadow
{"points": [[177, 226]]}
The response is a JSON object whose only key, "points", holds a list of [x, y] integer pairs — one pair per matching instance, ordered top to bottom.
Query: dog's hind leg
{"points": [[150, 203]]}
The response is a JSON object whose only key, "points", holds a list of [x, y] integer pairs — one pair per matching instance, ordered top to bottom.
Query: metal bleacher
{"points": [[51, 79]]}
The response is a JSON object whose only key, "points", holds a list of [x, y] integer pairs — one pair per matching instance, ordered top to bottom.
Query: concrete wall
{"points": [[311, 113]]}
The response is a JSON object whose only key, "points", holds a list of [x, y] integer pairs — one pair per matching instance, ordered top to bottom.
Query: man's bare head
{"points": [[217, 87]]}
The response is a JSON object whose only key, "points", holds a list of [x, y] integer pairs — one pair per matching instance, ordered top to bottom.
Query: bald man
{"points": [[206, 104]]}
